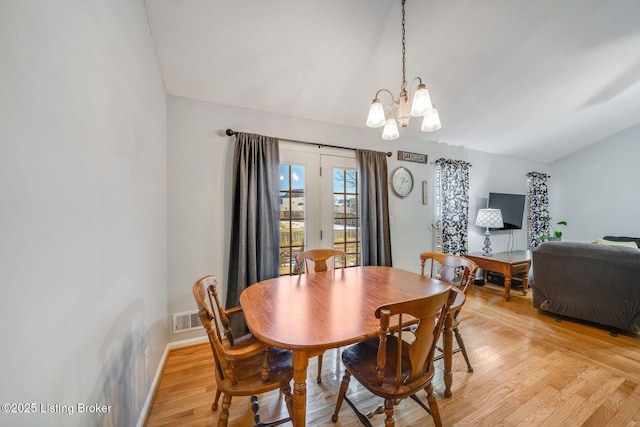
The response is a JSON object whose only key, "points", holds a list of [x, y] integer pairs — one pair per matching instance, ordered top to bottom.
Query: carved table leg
{"points": [[525, 284], [507, 286], [447, 347], [300, 362]]}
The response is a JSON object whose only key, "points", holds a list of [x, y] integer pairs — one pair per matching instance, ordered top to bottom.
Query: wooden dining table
{"points": [[319, 311]]}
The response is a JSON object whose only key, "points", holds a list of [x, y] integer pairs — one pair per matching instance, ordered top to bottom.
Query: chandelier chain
{"points": [[404, 59]]}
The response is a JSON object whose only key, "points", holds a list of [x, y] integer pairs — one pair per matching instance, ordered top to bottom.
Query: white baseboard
{"points": [[186, 343], [156, 378]]}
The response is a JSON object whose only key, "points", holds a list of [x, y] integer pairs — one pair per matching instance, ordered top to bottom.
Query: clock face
{"points": [[402, 181]]}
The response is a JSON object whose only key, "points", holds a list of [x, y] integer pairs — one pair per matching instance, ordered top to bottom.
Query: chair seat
{"points": [[244, 341], [360, 360], [248, 374]]}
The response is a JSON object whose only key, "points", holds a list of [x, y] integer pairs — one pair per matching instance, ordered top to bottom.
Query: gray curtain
{"points": [[538, 200], [452, 205], [374, 208], [254, 246]]}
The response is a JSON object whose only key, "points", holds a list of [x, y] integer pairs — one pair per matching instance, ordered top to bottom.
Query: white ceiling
{"points": [[535, 80]]}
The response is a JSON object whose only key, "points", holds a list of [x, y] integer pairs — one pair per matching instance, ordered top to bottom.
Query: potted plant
{"points": [[553, 234]]}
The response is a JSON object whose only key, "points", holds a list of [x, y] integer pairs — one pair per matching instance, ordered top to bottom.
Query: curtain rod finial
{"points": [[230, 132]]}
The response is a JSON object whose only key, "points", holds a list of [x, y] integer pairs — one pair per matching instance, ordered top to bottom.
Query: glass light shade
{"points": [[421, 103], [403, 110], [376, 118], [431, 121], [390, 130], [489, 218]]}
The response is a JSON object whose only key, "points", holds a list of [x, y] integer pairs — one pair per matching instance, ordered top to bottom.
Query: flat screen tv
{"points": [[512, 207]]}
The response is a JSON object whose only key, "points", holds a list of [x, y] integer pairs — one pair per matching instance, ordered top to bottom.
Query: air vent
{"points": [[185, 322]]}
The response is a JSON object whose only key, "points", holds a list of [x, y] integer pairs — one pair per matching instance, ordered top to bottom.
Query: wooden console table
{"points": [[509, 264]]}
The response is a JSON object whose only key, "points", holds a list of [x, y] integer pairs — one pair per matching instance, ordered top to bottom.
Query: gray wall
{"points": [[596, 189], [82, 209]]}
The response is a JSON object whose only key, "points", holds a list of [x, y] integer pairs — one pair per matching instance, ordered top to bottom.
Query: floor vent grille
{"points": [[185, 322]]}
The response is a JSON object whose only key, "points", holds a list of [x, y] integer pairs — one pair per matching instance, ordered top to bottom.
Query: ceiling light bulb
{"points": [[421, 104], [375, 119], [431, 120], [390, 130]]}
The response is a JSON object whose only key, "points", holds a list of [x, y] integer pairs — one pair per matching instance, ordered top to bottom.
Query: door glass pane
{"points": [[351, 210], [292, 216], [346, 218]]}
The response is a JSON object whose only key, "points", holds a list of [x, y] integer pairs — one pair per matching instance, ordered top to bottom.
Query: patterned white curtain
{"points": [[452, 206], [538, 207]]}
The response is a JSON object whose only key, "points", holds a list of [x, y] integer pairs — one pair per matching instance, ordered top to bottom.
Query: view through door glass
{"points": [[340, 179], [318, 206], [292, 218]]}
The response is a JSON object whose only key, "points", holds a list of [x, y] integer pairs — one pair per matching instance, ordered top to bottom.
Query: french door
{"points": [[318, 204]]}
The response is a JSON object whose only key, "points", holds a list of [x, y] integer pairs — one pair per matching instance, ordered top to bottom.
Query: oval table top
{"points": [[329, 309]]}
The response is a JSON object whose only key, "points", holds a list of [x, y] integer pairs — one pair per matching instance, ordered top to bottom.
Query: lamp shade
{"points": [[421, 104], [376, 118], [431, 120], [390, 130], [489, 218]]}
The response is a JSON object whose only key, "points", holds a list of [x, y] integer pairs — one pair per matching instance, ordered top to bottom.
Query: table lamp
{"points": [[489, 218]]}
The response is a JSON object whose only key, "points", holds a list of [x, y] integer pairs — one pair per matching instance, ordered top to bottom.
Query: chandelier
{"points": [[420, 102]]}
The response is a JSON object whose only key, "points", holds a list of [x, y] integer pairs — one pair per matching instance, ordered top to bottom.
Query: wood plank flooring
{"points": [[529, 370]]}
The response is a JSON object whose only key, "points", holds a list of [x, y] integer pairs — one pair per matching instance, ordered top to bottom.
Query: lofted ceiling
{"points": [[535, 80]]}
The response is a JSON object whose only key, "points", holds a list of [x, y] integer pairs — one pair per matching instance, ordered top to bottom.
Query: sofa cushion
{"points": [[617, 243]]}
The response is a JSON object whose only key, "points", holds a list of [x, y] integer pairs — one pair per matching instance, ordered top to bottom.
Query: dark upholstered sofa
{"points": [[586, 281]]}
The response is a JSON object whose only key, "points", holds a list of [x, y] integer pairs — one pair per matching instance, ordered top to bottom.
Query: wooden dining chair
{"points": [[319, 258], [458, 271], [244, 365], [392, 368]]}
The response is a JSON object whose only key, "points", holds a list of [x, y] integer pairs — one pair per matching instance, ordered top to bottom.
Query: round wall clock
{"points": [[402, 181]]}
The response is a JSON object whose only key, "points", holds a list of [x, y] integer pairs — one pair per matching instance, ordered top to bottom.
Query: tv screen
{"points": [[512, 207]]}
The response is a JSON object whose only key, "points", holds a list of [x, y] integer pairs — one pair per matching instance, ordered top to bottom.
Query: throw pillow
{"points": [[623, 239], [609, 242]]}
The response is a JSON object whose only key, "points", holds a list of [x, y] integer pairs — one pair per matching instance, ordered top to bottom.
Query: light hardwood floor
{"points": [[529, 370]]}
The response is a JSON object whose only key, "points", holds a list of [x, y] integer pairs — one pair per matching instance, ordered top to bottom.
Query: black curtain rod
{"points": [[319, 145]]}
